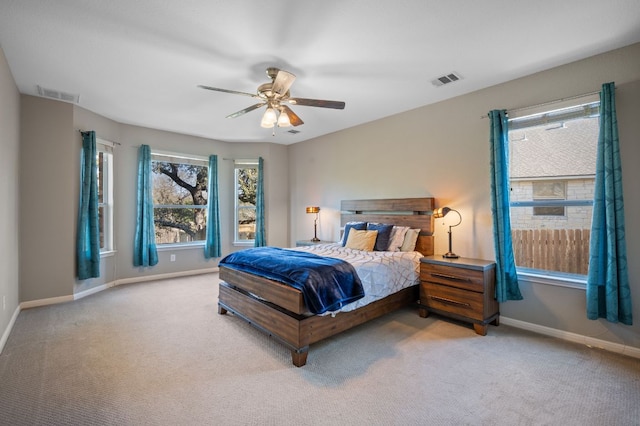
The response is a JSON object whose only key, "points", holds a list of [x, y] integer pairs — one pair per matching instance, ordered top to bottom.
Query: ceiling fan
{"points": [[275, 96]]}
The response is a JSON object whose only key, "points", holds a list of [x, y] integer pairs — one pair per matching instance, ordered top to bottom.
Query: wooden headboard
{"points": [[413, 212]]}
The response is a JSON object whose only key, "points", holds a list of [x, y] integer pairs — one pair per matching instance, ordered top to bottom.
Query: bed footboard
{"points": [[298, 331]]}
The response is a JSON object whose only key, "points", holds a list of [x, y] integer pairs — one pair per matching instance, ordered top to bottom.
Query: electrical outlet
{"points": [[173, 257]]}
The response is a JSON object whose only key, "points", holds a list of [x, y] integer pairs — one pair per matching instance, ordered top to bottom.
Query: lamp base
{"points": [[315, 240], [450, 255]]}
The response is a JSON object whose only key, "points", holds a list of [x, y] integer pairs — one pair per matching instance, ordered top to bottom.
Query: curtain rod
{"points": [[569, 98], [106, 140]]}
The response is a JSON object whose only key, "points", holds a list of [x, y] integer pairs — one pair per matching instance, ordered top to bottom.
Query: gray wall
{"points": [[51, 144], [442, 151], [9, 195]]}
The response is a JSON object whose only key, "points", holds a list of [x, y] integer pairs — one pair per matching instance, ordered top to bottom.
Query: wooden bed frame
{"points": [[279, 310]]}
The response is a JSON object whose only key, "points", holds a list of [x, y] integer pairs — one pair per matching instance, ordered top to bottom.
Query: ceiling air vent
{"points": [[446, 79], [58, 95]]}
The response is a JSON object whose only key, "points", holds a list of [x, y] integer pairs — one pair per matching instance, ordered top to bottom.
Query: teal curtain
{"points": [[88, 232], [260, 239], [212, 245], [145, 252], [506, 277], [608, 293]]}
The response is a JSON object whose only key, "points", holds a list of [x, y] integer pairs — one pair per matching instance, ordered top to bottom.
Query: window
{"points": [[104, 159], [552, 163], [246, 181], [549, 190], [179, 198]]}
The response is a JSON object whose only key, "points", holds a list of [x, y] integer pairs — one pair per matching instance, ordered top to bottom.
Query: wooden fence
{"points": [[562, 250]]}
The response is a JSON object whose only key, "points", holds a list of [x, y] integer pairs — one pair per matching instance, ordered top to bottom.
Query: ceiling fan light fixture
{"points": [[269, 119], [283, 119]]}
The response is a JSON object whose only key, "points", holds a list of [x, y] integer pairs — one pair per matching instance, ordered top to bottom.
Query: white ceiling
{"points": [[139, 62]]}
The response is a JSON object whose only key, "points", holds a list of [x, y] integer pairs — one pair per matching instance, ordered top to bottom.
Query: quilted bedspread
{"points": [[381, 272]]}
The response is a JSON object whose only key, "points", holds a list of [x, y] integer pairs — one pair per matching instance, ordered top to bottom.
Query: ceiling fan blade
{"points": [[282, 83], [253, 95], [317, 103], [246, 110], [293, 118]]}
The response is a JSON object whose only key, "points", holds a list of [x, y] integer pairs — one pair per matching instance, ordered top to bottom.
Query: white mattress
{"points": [[381, 272]]}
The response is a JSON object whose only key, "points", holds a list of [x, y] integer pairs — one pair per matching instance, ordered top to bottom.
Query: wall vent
{"points": [[446, 79], [58, 95]]}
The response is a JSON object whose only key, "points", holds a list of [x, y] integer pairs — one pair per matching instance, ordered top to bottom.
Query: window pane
{"points": [[104, 160], [100, 161], [553, 161], [246, 184], [176, 185], [101, 225]]}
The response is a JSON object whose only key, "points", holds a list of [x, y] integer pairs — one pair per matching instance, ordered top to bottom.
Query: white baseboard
{"points": [[165, 276], [99, 288], [93, 290], [61, 299], [44, 302], [7, 331], [573, 337]]}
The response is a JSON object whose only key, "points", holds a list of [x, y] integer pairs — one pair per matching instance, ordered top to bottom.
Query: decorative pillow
{"points": [[361, 226], [384, 235], [397, 237], [410, 239], [361, 240]]}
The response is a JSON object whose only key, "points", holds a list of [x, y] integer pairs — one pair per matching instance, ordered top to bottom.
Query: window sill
{"points": [[244, 243], [180, 246], [109, 253], [568, 281]]}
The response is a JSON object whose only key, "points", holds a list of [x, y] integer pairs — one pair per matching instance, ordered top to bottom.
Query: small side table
{"points": [[461, 288]]}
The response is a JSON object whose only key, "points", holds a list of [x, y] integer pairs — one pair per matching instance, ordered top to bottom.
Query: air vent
{"points": [[446, 79], [58, 95], [293, 131]]}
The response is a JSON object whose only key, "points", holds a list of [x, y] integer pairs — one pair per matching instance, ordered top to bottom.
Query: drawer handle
{"points": [[449, 277], [450, 301]]}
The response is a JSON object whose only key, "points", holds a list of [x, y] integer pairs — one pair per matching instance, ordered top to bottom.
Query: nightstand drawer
{"points": [[466, 279], [457, 301]]}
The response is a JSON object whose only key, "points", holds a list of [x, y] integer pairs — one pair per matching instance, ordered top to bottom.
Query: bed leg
{"points": [[221, 310], [299, 357]]}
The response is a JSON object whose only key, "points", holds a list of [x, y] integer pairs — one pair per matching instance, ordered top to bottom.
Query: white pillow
{"points": [[397, 237], [410, 239]]}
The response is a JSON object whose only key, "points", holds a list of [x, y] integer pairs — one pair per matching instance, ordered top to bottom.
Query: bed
{"points": [[279, 309]]}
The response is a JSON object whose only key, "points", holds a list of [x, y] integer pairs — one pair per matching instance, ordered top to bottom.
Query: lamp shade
{"points": [[269, 118], [283, 119], [313, 209], [441, 212]]}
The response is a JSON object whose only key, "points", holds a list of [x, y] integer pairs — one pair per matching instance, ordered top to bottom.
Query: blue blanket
{"points": [[327, 284]]}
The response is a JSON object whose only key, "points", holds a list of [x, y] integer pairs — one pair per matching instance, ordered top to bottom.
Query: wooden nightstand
{"points": [[461, 288]]}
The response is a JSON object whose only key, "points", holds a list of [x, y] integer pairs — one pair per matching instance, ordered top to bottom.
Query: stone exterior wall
{"points": [[575, 217]]}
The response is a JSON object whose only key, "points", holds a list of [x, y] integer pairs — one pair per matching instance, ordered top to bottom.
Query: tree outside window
{"points": [[246, 178], [180, 200]]}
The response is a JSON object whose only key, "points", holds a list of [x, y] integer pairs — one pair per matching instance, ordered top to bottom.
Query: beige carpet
{"points": [[158, 353]]}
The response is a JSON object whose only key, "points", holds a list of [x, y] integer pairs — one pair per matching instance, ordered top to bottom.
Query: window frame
{"points": [[590, 105], [179, 158], [238, 165], [106, 226]]}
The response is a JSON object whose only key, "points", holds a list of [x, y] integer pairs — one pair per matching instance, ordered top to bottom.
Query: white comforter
{"points": [[381, 272]]}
